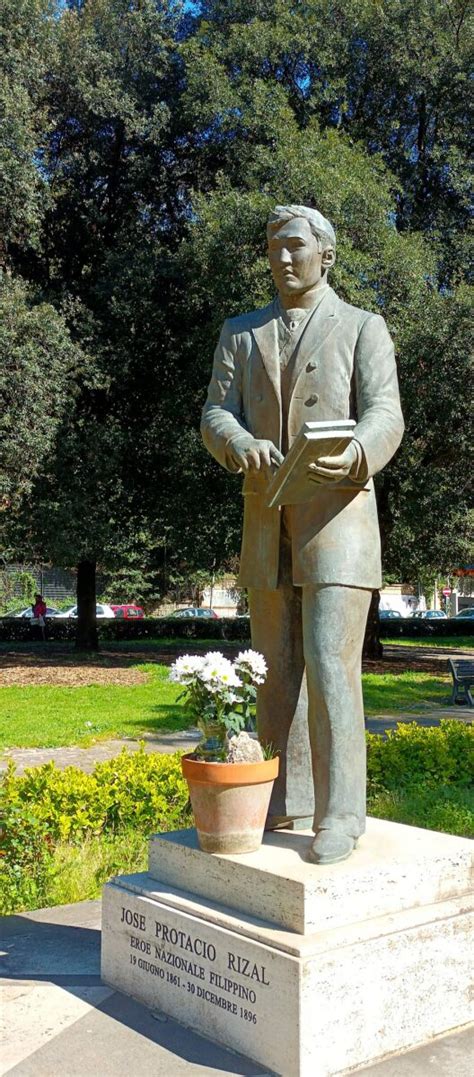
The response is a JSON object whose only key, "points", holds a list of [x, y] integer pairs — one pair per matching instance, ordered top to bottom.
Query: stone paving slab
{"points": [[86, 758], [59, 1019]]}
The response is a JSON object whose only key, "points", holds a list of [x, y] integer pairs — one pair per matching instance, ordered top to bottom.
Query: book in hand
{"points": [[290, 485]]}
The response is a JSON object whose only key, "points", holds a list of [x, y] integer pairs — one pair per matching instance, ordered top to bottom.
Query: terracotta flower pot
{"points": [[230, 802]]}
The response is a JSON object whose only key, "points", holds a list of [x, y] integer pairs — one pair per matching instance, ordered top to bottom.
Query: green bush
{"points": [[413, 754], [140, 790], [46, 807], [445, 808], [64, 832], [26, 859]]}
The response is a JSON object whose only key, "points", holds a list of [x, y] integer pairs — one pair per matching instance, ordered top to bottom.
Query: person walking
{"points": [[39, 614]]}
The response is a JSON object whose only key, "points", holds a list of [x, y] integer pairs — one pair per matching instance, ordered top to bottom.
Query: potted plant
{"points": [[230, 781]]}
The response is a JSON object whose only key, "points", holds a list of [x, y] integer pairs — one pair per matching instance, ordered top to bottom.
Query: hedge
{"points": [[411, 627], [226, 628], [20, 630], [416, 775]]}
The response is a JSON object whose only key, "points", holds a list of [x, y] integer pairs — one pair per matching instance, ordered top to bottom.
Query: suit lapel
{"points": [[320, 325], [267, 341]]}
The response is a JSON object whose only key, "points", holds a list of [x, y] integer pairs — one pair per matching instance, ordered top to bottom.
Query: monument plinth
{"points": [[310, 972]]}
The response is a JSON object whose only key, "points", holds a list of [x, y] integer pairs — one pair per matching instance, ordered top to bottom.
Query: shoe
{"points": [[331, 846]]}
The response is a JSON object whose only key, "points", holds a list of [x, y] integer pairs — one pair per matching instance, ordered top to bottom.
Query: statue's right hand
{"points": [[256, 454]]}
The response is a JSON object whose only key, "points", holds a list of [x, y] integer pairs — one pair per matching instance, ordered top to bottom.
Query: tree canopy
{"points": [[144, 144]]}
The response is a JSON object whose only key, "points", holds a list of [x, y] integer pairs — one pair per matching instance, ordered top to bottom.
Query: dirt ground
{"points": [[18, 668], [32, 670]]}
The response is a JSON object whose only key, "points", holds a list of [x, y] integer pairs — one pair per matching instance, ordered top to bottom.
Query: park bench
{"points": [[462, 670]]}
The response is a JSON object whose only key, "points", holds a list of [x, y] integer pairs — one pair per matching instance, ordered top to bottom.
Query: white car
{"points": [[101, 610], [28, 613]]}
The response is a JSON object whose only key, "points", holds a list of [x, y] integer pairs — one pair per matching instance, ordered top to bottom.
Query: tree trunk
{"points": [[86, 632], [372, 645]]}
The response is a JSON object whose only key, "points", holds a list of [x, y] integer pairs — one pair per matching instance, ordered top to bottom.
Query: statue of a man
{"points": [[309, 568]]}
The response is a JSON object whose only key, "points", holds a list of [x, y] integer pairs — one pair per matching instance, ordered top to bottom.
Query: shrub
{"points": [[222, 628], [413, 754], [140, 790], [46, 805], [447, 808], [63, 832], [26, 858]]}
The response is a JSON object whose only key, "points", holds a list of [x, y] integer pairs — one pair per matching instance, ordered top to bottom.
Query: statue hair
{"points": [[321, 228]]}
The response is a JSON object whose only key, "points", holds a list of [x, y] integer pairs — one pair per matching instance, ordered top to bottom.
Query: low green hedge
{"points": [[412, 628], [19, 630], [412, 754], [421, 776], [146, 791], [46, 806]]}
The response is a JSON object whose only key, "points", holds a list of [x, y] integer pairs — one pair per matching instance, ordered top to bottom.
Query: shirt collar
{"points": [[294, 317]]}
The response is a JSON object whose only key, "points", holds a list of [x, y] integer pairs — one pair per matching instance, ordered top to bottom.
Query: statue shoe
{"points": [[330, 846]]}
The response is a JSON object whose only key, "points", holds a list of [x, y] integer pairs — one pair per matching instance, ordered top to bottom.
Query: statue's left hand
{"points": [[331, 469]]}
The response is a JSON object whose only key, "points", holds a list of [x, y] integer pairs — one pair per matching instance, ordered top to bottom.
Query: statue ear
{"points": [[328, 258]]}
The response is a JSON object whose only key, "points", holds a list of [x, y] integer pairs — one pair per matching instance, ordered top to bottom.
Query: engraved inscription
{"points": [[188, 963]]}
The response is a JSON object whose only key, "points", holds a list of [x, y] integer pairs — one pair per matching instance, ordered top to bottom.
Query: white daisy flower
{"points": [[252, 662], [186, 667]]}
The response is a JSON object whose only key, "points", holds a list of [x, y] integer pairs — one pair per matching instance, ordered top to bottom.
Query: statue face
{"points": [[296, 263]]}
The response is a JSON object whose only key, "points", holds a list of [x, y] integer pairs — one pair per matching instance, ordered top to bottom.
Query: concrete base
{"points": [[310, 971]]}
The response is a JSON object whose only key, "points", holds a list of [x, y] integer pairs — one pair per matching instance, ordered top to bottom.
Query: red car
{"points": [[128, 612]]}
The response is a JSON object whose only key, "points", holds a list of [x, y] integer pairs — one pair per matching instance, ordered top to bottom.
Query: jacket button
{"points": [[310, 367], [312, 400]]}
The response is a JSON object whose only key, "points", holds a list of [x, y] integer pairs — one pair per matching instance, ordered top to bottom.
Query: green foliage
{"points": [[28, 46], [144, 144], [37, 363], [9, 582], [412, 755], [423, 777], [146, 791], [446, 808], [46, 811], [63, 833], [26, 856], [79, 872]]}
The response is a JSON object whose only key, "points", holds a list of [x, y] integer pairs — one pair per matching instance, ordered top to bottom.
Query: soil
{"points": [[18, 668], [28, 670]]}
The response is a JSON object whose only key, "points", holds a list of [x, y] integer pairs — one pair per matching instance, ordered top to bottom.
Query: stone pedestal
{"points": [[310, 971]]}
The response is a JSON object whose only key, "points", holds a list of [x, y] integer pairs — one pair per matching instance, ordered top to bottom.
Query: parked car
{"points": [[101, 610], [195, 611], [128, 612], [28, 613], [390, 615], [432, 615], [465, 615]]}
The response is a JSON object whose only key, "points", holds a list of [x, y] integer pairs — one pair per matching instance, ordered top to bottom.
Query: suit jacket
{"points": [[344, 368]]}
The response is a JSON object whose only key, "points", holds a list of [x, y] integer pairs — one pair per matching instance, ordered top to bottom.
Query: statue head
{"points": [[301, 250]]}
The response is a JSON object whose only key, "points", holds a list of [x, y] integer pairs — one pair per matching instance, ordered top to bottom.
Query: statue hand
{"points": [[256, 454], [330, 469]]}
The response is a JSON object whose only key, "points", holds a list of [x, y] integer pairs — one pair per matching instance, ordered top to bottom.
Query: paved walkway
{"points": [[86, 758], [62, 1021]]}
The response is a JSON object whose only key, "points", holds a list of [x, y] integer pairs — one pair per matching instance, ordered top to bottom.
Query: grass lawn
{"points": [[460, 643], [392, 693], [49, 716]]}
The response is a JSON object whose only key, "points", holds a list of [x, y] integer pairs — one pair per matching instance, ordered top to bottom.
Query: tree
{"points": [[153, 141], [103, 159], [37, 367]]}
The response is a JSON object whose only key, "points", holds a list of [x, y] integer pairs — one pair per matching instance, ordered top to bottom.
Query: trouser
{"points": [[310, 708]]}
